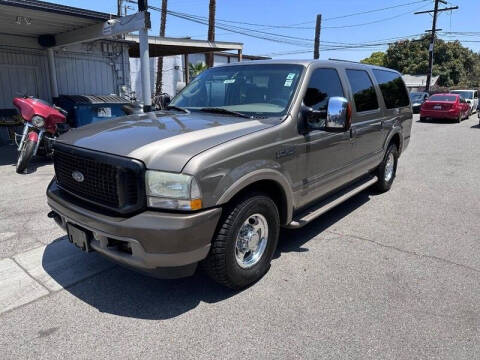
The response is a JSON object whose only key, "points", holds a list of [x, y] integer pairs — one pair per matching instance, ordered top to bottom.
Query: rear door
{"points": [[367, 116]]}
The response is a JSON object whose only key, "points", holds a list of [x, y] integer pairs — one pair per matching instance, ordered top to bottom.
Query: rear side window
{"points": [[324, 83], [393, 89], [363, 91], [442, 98]]}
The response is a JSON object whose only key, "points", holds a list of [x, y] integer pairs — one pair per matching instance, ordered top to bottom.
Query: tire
{"points": [[422, 118], [459, 120], [25, 155], [385, 182], [223, 263]]}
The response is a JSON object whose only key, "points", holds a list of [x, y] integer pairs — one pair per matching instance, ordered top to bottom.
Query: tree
{"points": [[376, 58], [455, 64], [196, 69]]}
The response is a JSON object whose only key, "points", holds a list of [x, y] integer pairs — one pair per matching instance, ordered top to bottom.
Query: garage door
{"points": [[17, 80]]}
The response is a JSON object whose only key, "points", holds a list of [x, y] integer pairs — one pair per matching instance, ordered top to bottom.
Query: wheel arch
{"points": [[395, 137], [268, 181]]}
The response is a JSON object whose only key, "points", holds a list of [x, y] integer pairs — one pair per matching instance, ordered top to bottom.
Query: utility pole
{"points": [[119, 7], [435, 11], [163, 22], [318, 26], [211, 30], [145, 59]]}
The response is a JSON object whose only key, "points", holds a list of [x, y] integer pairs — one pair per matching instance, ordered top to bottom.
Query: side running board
{"points": [[329, 203]]}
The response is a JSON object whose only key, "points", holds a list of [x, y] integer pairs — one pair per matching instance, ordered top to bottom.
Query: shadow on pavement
{"points": [[439, 121], [8, 156], [292, 240], [123, 292]]}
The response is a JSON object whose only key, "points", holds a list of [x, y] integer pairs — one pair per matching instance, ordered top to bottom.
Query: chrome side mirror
{"points": [[339, 114]]}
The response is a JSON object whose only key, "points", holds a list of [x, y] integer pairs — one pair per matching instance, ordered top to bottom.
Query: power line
{"points": [[375, 21]]}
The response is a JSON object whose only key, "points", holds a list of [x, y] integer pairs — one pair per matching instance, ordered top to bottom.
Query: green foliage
{"points": [[376, 58], [456, 64], [196, 69]]}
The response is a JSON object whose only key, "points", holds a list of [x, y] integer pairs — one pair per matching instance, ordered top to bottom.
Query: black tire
{"points": [[422, 119], [459, 120], [25, 155], [383, 184], [221, 263]]}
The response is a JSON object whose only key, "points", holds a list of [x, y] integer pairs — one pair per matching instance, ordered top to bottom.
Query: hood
{"points": [[163, 141]]}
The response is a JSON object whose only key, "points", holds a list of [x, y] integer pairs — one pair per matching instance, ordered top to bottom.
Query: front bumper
{"points": [[162, 244]]}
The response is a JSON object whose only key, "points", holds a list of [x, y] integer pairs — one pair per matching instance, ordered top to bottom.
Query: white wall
{"points": [[172, 73]]}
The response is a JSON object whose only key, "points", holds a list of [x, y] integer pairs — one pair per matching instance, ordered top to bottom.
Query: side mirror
{"points": [[339, 114]]}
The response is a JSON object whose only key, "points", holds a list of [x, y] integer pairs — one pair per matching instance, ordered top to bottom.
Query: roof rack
{"points": [[332, 59]]}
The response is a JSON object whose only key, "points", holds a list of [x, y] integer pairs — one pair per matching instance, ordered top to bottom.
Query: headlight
{"points": [[38, 121], [172, 191]]}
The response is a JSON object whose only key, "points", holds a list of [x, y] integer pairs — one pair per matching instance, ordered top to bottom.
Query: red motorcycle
{"points": [[42, 121]]}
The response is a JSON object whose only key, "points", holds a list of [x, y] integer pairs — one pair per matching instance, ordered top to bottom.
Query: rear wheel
{"points": [[422, 118], [459, 120], [25, 155], [387, 170], [245, 242]]}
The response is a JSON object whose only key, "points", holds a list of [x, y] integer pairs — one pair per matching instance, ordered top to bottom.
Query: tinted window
{"points": [[323, 84], [393, 89], [363, 91], [466, 94], [442, 98]]}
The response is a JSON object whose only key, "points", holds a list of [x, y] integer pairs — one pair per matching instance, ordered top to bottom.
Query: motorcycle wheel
{"points": [[25, 155]]}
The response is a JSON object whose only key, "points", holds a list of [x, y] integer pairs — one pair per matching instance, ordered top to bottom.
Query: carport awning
{"points": [[33, 18], [163, 46]]}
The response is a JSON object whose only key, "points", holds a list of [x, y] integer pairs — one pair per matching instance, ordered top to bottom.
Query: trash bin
{"points": [[87, 109]]}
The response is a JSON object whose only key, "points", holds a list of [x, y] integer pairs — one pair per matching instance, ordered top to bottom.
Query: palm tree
{"points": [[196, 69]]}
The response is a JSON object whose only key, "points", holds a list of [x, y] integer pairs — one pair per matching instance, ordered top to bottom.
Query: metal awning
{"points": [[33, 18], [164, 46]]}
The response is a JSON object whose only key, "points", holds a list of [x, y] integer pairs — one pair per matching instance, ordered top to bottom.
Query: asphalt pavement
{"points": [[382, 276]]}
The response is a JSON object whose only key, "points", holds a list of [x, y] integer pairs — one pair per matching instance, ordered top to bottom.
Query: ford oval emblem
{"points": [[78, 176]]}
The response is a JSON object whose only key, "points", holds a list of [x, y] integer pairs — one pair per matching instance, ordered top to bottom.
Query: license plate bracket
{"points": [[437, 107], [79, 237]]}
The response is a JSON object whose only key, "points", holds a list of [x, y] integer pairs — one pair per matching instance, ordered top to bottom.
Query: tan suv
{"points": [[243, 150]]}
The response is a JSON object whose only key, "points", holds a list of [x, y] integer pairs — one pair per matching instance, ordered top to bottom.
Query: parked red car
{"points": [[445, 106]]}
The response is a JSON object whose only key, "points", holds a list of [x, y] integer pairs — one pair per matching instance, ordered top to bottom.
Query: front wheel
{"points": [[25, 155], [387, 170], [245, 242]]}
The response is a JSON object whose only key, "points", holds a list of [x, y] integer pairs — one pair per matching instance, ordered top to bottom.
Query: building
{"points": [[47, 50], [418, 82]]}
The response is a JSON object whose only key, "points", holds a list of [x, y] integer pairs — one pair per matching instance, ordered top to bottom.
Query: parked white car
{"points": [[471, 96]]}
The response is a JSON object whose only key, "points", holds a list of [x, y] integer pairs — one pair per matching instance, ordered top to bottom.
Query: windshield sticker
{"points": [[290, 76], [229, 81], [288, 83]]}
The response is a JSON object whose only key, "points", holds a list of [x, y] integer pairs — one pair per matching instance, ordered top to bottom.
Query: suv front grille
{"points": [[108, 181]]}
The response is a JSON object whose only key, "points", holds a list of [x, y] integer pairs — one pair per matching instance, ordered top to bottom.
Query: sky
{"points": [[294, 21]]}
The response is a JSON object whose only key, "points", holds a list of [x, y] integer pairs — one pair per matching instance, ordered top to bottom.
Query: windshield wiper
{"points": [[173, 107], [218, 110]]}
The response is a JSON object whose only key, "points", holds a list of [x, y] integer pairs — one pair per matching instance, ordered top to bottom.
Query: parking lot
{"points": [[389, 276]]}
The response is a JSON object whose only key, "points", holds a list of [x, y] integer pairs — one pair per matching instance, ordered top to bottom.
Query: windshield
{"points": [[263, 90], [465, 94], [416, 96], [442, 98]]}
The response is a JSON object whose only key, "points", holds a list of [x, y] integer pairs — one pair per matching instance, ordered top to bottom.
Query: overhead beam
{"points": [[439, 10], [109, 28]]}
